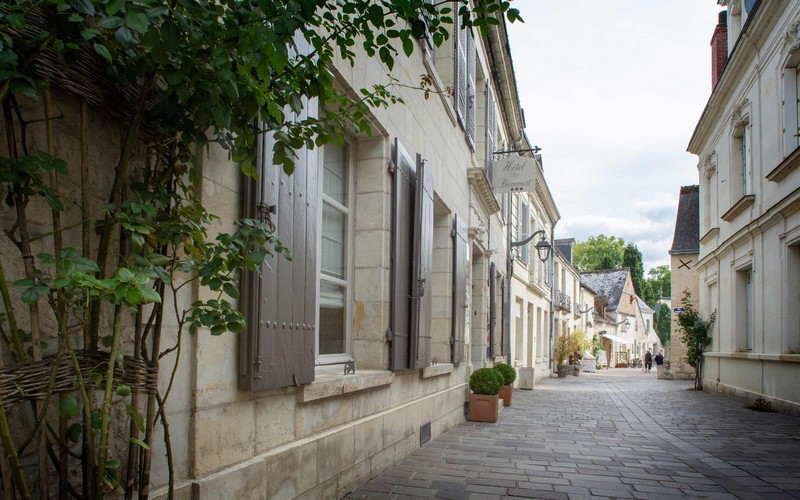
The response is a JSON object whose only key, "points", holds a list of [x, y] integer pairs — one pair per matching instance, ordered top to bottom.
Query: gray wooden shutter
{"points": [[461, 63], [471, 91], [491, 131], [402, 231], [460, 272], [422, 275], [492, 309], [277, 347]]}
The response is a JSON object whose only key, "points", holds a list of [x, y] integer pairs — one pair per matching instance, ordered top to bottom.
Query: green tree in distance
{"points": [[598, 253], [632, 259], [659, 280], [663, 325]]}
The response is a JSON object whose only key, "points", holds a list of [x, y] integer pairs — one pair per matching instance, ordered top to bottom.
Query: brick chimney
{"points": [[719, 48]]}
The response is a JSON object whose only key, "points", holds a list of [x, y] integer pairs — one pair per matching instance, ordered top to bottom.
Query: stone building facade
{"points": [[747, 144], [359, 349]]}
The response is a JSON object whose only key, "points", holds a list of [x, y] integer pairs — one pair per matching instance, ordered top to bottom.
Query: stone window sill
{"points": [[786, 167], [740, 206], [714, 231], [785, 358], [436, 370], [328, 384]]}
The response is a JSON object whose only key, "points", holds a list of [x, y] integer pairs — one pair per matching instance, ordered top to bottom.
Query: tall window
{"points": [[465, 81], [791, 105], [741, 168], [525, 231], [335, 273], [792, 299], [744, 310]]}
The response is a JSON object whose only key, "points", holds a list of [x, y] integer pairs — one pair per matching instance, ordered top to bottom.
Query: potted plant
{"points": [[570, 346], [561, 352], [509, 376], [485, 384]]}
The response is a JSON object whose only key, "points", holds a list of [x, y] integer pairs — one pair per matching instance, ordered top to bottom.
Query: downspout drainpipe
{"points": [[552, 296]]}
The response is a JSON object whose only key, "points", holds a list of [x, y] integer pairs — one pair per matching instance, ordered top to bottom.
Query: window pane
{"points": [[797, 102], [334, 177], [334, 224], [332, 328]]}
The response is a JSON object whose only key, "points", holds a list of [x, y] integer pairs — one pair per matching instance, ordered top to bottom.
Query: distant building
{"points": [[683, 270], [615, 314]]}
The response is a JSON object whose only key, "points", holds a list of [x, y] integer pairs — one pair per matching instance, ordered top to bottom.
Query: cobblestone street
{"points": [[614, 434]]}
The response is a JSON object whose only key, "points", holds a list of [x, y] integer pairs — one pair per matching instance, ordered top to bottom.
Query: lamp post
{"points": [[544, 251]]}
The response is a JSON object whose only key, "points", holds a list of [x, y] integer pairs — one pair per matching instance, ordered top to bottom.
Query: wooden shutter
{"points": [[461, 63], [471, 91], [491, 131], [404, 181], [460, 273], [422, 275], [492, 309], [501, 346], [277, 347]]}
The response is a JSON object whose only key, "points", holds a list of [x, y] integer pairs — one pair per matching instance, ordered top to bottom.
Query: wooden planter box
{"points": [[505, 394], [483, 407]]}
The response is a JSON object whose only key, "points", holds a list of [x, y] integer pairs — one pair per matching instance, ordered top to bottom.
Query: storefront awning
{"points": [[614, 338]]}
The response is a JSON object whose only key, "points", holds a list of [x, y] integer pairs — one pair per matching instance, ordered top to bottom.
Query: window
{"points": [[465, 81], [791, 105], [491, 130], [741, 168], [712, 199], [524, 231], [334, 269], [792, 299], [744, 310]]}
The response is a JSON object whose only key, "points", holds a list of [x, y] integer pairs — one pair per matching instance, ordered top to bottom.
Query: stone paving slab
{"points": [[617, 433]]}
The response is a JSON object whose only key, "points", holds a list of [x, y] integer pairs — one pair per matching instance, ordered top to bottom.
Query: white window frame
{"points": [[791, 104], [741, 156], [524, 225], [347, 281]]}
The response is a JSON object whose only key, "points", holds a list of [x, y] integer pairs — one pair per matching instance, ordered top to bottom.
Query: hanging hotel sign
{"points": [[514, 174]]}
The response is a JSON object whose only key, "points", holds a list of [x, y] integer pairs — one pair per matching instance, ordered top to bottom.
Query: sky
{"points": [[612, 91]]}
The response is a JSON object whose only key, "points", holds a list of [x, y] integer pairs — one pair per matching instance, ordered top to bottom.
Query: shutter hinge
{"points": [[391, 167], [265, 210], [389, 334]]}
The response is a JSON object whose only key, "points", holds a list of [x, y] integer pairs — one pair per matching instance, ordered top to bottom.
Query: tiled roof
{"points": [[687, 223], [565, 247], [610, 283]]}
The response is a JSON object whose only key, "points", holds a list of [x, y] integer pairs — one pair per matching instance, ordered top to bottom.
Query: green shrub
{"points": [[508, 372], [486, 381]]}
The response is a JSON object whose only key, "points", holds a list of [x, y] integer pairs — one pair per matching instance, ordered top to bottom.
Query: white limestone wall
{"points": [[762, 237]]}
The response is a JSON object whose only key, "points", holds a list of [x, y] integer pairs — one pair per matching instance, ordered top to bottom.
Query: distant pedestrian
{"points": [[660, 358], [648, 361]]}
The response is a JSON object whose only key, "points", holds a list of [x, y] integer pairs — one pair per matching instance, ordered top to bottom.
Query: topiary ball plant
{"points": [[508, 372], [486, 381]]}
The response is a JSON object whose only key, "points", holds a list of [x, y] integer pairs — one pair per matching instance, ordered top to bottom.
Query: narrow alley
{"points": [[616, 434]]}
